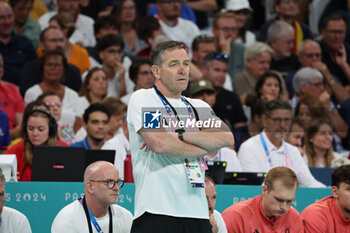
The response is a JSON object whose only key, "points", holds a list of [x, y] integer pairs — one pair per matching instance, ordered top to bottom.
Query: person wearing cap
{"points": [[242, 9], [287, 11], [204, 90]]}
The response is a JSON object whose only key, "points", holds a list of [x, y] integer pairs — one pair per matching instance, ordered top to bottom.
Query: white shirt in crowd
{"points": [[229, 156], [254, 159], [13, 221], [220, 222]]}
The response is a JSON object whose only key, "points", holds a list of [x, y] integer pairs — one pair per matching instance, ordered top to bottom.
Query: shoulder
{"points": [[86, 19], [71, 93], [141, 94], [197, 102], [252, 141], [319, 207], [245, 208], [71, 210], [121, 211], [12, 213]]}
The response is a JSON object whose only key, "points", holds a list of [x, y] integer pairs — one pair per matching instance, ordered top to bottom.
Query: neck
{"points": [[287, 19], [168, 21], [18, 27], [126, 27], [5, 38], [277, 57], [109, 71], [254, 76], [50, 86], [168, 93], [95, 99], [276, 142], [94, 143], [320, 153], [96, 208], [343, 212]]}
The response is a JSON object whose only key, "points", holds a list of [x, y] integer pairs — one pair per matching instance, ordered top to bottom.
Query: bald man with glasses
{"points": [[97, 211]]}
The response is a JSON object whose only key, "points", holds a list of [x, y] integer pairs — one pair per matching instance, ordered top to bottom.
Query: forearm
{"points": [[203, 5], [346, 70], [338, 90], [340, 127], [210, 139], [169, 144]]}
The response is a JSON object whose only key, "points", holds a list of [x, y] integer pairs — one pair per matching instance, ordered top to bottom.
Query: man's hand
{"points": [[225, 44], [339, 57], [320, 66], [120, 69], [325, 99], [213, 223]]}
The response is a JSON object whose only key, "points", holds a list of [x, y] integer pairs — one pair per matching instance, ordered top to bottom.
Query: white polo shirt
{"points": [[253, 158]]}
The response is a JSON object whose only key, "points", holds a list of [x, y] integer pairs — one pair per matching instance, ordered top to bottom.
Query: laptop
{"points": [[97, 155], [58, 163], [216, 170], [244, 178]]}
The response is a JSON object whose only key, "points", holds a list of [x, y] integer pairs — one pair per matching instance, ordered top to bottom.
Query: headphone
{"points": [[52, 122]]}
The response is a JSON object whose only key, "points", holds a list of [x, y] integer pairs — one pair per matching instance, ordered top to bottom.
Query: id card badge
{"points": [[194, 174]]}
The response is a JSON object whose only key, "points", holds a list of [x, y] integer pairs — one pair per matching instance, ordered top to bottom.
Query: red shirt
{"points": [[11, 102], [24, 171], [248, 216], [324, 217]]}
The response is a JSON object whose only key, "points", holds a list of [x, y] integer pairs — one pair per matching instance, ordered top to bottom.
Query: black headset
{"points": [[52, 122]]}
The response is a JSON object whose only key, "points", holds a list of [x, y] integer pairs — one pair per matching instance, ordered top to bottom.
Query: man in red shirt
{"points": [[269, 212], [331, 214]]}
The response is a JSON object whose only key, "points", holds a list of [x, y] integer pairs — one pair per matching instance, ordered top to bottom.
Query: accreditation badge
{"points": [[194, 174]]}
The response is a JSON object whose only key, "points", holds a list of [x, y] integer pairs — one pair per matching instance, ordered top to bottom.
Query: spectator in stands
{"points": [[92, 8], [241, 9], [287, 11], [126, 15], [84, 23], [24, 25], [104, 25], [175, 27], [149, 28], [225, 32], [280, 37], [50, 39], [201, 46], [15, 49], [110, 50], [335, 50], [76, 55], [310, 56], [257, 59], [53, 66], [140, 73], [309, 82], [269, 87], [94, 88], [204, 90], [11, 103], [54, 103], [227, 105], [257, 111], [96, 119], [38, 128], [295, 134], [5, 138], [117, 138], [318, 145], [268, 149], [102, 187], [271, 210], [188, 213], [331, 214], [215, 218], [12, 221]]}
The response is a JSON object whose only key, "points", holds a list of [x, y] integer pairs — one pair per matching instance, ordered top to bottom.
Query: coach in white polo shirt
{"points": [[268, 149]]}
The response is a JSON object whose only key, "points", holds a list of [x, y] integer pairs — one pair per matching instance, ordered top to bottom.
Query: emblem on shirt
{"points": [[151, 119]]}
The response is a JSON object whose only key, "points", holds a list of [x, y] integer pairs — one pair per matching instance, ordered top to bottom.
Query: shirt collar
{"points": [[272, 147]]}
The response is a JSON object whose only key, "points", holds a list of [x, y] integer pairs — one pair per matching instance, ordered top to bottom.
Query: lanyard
{"points": [[169, 108], [86, 144], [268, 153], [90, 217]]}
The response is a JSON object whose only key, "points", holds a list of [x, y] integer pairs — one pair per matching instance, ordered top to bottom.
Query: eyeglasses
{"points": [[114, 51], [311, 55], [217, 56], [53, 64], [318, 84], [52, 104], [277, 120], [111, 183]]}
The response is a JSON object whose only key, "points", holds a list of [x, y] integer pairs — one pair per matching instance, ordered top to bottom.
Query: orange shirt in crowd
{"points": [[248, 216], [324, 217]]}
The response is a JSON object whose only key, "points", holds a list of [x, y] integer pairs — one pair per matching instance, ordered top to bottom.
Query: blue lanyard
{"points": [[169, 108], [268, 153], [94, 222]]}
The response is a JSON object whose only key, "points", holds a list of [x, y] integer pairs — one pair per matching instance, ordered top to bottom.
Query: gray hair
{"points": [[278, 29], [303, 43], [256, 49], [157, 53], [305, 76]]}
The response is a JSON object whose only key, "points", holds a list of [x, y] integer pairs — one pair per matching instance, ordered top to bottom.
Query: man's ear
{"points": [[100, 54], [156, 71], [335, 192]]}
